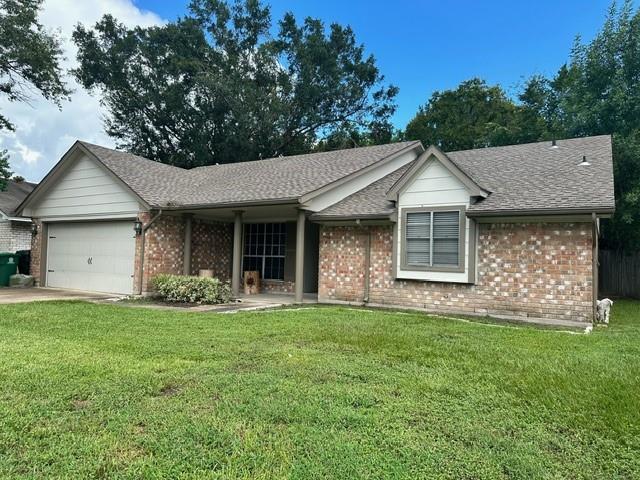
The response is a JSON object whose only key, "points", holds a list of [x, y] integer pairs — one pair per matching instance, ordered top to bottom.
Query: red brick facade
{"points": [[211, 248], [36, 252], [538, 270]]}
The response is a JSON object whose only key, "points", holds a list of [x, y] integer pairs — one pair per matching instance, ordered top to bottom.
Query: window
{"points": [[433, 239], [264, 249]]}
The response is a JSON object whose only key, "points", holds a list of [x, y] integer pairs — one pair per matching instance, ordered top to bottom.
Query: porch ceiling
{"points": [[261, 213]]}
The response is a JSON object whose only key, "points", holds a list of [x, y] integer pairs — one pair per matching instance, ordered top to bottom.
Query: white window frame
{"points": [[263, 255], [460, 267]]}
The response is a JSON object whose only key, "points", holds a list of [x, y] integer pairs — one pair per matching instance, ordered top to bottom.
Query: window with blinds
{"points": [[432, 239]]}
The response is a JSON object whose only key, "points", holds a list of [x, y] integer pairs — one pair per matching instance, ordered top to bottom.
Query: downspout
{"points": [[142, 238], [595, 265]]}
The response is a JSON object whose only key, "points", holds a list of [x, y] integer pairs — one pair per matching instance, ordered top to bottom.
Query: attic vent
{"points": [[554, 144], [584, 162]]}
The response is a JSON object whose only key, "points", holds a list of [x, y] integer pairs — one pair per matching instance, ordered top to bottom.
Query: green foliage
{"points": [[29, 56], [217, 87], [596, 92], [474, 115], [5, 173], [190, 289], [106, 391]]}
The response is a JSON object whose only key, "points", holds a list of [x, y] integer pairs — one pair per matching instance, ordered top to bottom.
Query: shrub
{"points": [[183, 288]]}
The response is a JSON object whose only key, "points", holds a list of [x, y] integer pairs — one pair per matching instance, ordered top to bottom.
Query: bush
{"points": [[182, 288]]}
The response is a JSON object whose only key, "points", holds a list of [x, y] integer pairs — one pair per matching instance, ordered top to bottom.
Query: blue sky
{"points": [[420, 46], [423, 46]]}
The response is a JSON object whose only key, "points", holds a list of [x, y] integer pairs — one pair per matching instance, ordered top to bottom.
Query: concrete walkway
{"points": [[35, 294]]}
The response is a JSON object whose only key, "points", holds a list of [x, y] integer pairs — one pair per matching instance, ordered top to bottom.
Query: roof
{"points": [[538, 177], [282, 178], [517, 179], [520, 179], [13, 196], [370, 202]]}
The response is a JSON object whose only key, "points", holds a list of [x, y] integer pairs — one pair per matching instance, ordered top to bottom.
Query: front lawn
{"points": [[92, 391]]}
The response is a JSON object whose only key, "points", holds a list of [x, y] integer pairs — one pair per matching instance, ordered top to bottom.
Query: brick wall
{"points": [[14, 236], [211, 248], [36, 253], [524, 270]]}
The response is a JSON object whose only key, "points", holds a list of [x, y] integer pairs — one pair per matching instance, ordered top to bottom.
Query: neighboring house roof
{"points": [[283, 178], [528, 178], [13, 196]]}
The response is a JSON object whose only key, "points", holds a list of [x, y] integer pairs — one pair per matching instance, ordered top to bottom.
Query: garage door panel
{"points": [[94, 256]]}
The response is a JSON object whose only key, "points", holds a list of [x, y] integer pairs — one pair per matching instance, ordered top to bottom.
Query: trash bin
{"points": [[24, 260], [8, 267]]}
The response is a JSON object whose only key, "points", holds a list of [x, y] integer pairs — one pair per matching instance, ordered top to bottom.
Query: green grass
{"points": [[92, 391]]}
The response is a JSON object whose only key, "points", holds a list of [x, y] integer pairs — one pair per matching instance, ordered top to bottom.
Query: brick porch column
{"points": [[237, 252], [299, 287]]}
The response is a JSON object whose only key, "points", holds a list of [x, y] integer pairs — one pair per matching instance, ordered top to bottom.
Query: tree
{"points": [[29, 56], [216, 87], [598, 92], [473, 115], [5, 173]]}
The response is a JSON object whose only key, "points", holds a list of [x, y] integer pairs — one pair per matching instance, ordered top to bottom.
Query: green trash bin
{"points": [[8, 267]]}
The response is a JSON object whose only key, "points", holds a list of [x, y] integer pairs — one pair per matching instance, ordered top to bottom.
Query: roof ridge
{"points": [[406, 143], [526, 144]]}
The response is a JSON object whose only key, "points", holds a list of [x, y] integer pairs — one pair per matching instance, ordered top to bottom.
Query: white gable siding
{"points": [[433, 186], [85, 189], [343, 190]]}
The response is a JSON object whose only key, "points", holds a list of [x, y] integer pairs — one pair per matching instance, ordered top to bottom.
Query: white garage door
{"points": [[96, 256]]}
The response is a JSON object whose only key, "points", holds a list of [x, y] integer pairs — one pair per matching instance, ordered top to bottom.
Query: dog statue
{"points": [[602, 311]]}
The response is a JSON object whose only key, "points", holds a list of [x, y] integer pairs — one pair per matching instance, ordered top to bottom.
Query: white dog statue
{"points": [[602, 311]]}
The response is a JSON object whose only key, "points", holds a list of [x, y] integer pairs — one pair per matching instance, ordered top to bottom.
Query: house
{"points": [[15, 230], [509, 231]]}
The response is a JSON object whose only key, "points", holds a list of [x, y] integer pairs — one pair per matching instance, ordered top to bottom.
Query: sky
{"points": [[419, 46]]}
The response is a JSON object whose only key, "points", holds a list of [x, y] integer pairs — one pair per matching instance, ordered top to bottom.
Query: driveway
{"points": [[23, 295]]}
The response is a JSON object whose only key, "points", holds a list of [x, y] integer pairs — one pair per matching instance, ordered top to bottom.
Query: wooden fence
{"points": [[619, 274]]}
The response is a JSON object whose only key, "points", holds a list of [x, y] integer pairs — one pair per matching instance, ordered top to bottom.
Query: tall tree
{"points": [[29, 56], [217, 87], [598, 92], [472, 115], [5, 173]]}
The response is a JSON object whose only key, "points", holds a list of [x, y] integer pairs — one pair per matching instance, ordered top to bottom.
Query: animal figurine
{"points": [[602, 310]]}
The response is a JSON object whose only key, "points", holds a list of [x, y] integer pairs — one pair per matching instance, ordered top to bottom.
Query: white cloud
{"points": [[43, 133]]}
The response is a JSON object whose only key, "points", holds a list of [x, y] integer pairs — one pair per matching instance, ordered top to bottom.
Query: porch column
{"points": [[237, 252], [186, 257], [300, 257]]}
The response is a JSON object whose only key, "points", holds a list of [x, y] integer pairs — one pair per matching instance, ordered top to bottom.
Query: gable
{"points": [[433, 184], [83, 187]]}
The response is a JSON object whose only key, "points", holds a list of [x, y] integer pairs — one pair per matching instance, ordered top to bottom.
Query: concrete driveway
{"points": [[24, 295]]}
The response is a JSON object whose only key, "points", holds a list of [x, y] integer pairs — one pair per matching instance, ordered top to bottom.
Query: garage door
{"points": [[96, 256]]}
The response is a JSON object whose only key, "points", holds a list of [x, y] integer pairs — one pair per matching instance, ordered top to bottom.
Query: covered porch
{"points": [[276, 240]]}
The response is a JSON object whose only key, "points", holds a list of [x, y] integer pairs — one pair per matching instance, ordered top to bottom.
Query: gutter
{"points": [[541, 211], [143, 239]]}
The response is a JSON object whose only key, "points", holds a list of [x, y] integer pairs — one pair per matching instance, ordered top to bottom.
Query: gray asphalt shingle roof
{"points": [[535, 176], [528, 177], [261, 180], [13, 196], [371, 201]]}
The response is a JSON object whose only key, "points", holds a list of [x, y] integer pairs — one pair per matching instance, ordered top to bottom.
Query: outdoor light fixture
{"points": [[137, 227], [34, 229]]}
